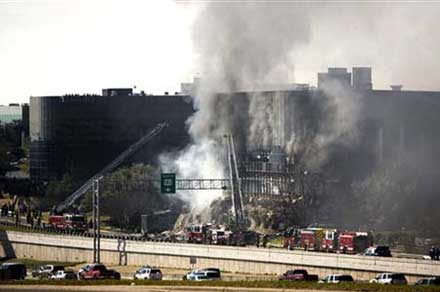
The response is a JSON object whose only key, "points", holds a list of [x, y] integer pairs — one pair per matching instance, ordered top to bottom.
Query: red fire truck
{"points": [[72, 222], [196, 233], [310, 238], [318, 239], [329, 241], [353, 242]]}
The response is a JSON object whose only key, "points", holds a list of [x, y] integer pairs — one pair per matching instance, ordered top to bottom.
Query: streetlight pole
{"points": [[96, 222]]}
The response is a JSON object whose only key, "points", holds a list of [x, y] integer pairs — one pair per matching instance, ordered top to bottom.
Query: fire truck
{"points": [[73, 222], [196, 233], [220, 236], [292, 238], [310, 238], [318, 239], [329, 241], [353, 242]]}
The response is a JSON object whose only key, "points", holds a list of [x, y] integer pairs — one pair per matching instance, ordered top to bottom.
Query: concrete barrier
{"points": [[235, 259]]}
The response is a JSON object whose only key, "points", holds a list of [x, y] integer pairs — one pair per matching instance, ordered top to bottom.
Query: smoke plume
{"points": [[246, 46], [240, 47]]}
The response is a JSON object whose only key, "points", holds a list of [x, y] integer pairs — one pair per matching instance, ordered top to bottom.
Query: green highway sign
{"points": [[168, 183]]}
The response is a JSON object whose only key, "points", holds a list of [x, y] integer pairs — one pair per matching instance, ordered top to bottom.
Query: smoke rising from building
{"points": [[245, 46], [239, 47]]}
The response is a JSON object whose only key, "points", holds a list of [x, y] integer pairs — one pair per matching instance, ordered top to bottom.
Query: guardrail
{"points": [[50, 230]]}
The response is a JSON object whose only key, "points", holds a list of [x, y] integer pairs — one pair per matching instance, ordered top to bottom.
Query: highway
{"points": [[8, 221]]}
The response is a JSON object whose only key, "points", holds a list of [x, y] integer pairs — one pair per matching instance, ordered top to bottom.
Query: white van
{"points": [[337, 278]]}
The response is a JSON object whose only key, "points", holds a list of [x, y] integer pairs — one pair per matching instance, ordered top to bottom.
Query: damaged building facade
{"points": [[315, 142]]}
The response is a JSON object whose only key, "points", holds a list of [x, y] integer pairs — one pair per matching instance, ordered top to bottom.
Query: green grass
{"points": [[31, 264], [246, 284]]}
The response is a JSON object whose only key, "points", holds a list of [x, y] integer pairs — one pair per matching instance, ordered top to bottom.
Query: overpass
{"points": [[252, 260]]}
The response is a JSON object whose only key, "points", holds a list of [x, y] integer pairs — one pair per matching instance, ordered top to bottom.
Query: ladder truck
{"points": [[60, 220]]}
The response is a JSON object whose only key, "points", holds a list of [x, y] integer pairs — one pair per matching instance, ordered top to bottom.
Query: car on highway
{"points": [[378, 251], [84, 268], [12, 271], [46, 271], [99, 272], [148, 273], [209, 274], [64, 275], [298, 275], [337, 278], [390, 278], [429, 281]]}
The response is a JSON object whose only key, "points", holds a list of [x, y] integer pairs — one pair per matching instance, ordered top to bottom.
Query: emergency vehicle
{"points": [[74, 222], [196, 233], [353, 242]]}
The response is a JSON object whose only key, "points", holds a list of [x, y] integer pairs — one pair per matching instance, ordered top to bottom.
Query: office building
{"points": [[79, 134]]}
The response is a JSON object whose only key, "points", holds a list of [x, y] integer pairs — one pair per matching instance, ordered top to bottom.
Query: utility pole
{"points": [[96, 222]]}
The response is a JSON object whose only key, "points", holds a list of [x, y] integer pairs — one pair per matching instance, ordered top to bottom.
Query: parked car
{"points": [[378, 251], [84, 268], [12, 271], [46, 271], [98, 272], [148, 273], [209, 274], [64, 275], [298, 275], [390, 278], [337, 279], [429, 281]]}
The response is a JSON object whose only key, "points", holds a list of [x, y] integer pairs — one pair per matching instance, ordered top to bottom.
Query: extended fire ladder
{"points": [[110, 167], [235, 182]]}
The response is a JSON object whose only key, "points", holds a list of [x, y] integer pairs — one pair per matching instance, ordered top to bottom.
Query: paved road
{"points": [[48, 288]]}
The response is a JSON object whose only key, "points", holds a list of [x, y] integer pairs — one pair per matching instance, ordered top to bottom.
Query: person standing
{"points": [[432, 253]]}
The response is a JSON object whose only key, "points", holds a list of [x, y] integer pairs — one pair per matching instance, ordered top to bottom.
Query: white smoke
{"points": [[240, 46], [263, 127], [198, 161]]}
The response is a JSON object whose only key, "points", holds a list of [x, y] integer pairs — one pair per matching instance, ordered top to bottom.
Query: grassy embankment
{"points": [[244, 284]]}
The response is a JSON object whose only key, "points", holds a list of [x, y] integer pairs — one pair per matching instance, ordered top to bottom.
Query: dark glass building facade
{"points": [[79, 134]]}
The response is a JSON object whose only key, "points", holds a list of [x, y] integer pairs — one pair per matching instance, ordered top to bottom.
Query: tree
{"points": [[57, 191], [126, 194]]}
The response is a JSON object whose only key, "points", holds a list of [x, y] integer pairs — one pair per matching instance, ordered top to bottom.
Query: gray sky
{"points": [[81, 46]]}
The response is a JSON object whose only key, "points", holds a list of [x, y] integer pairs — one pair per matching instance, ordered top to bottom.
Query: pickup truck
{"points": [[46, 271], [99, 271], [298, 275]]}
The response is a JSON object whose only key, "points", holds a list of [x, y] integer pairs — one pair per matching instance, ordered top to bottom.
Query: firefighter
{"points": [[4, 210], [28, 217], [17, 218], [39, 220], [265, 240], [432, 253]]}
